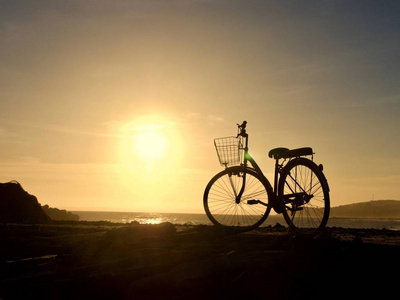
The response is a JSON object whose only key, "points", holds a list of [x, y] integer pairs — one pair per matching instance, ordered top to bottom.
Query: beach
{"points": [[102, 260]]}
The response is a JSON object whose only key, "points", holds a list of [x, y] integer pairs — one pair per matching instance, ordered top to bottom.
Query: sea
{"points": [[202, 219]]}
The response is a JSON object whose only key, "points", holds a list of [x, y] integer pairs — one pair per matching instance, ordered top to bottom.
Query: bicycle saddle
{"points": [[279, 153]]}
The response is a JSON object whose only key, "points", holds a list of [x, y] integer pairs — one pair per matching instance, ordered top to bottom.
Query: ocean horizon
{"points": [[202, 219]]}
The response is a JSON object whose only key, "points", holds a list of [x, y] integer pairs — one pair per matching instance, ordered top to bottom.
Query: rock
{"points": [[18, 206], [59, 214], [278, 225]]}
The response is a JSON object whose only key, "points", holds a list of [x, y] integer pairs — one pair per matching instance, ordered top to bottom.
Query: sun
{"points": [[151, 144]]}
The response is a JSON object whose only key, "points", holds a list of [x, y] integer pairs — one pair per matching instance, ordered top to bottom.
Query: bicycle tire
{"points": [[220, 199], [308, 213]]}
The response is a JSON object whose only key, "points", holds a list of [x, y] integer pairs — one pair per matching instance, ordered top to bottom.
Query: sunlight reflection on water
{"points": [[150, 218]]}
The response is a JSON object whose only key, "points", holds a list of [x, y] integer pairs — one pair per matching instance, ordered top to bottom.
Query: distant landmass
{"points": [[371, 209], [59, 214]]}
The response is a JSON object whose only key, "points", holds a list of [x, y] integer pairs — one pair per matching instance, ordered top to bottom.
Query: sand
{"points": [[80, 260]]}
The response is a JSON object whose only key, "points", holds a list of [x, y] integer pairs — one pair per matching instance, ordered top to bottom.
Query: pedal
{"points": [[252, 202]]}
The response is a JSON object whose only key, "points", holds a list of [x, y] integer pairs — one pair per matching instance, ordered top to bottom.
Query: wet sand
{"points": [[81, 260]]}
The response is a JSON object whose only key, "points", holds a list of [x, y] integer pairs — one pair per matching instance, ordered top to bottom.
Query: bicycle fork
{"points": [[238, 196]]}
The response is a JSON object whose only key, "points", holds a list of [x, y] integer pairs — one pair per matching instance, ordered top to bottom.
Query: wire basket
{"points": [[229, 150]]}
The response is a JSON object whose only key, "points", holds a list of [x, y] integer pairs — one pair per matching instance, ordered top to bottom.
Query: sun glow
{"points": [[150, 144], [151, 153]]}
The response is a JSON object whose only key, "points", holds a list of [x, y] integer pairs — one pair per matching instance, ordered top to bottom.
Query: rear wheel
{"points": [[305, 194], [224, 209]]}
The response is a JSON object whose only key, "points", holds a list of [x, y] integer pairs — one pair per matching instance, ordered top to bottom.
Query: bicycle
{"points": [[240, 197]]}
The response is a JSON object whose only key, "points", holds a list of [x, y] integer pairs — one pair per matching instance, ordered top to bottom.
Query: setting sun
{"points": [[150, 144], [151, 152]]}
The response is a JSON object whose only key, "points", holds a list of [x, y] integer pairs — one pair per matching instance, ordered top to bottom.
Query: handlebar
{"points": [[242, 129]]}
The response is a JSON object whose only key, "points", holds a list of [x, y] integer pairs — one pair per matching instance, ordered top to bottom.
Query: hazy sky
{"points": [[81, 80]]}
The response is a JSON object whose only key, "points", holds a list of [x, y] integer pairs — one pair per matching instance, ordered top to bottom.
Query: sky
{"points": [[87, 86]]}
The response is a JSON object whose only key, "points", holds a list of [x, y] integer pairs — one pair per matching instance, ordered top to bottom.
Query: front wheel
{"points": [[304, 192], [223, 206]]}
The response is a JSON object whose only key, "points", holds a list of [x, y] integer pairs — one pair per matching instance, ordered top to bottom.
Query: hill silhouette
{"points": [[18, 206], [370, 209]]}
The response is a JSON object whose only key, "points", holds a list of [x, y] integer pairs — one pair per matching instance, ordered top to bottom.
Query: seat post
{"points": [[276, 176]]}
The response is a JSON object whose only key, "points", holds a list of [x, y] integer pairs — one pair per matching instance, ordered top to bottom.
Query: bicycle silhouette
{"points": [[241, 197]]}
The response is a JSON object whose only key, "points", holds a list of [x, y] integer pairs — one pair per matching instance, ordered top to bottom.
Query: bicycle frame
{"points": [[297, 198]]}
